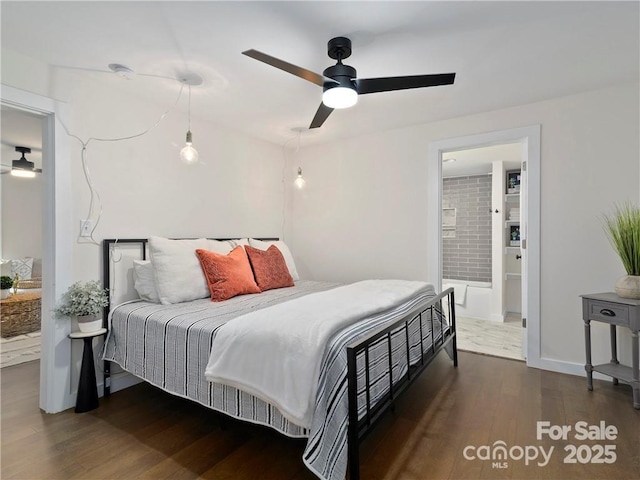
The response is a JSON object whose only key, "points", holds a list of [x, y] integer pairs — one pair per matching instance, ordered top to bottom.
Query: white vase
{"points": [[628, 287], [4, 293], [89, 323]]}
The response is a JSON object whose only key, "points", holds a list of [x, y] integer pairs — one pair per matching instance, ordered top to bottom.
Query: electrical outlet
{"points": [[85, 228]]}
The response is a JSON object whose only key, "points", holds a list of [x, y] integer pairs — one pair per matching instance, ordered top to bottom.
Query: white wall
{"points": [[237, 190], [21, 198], [363, 213], [21, 215]]}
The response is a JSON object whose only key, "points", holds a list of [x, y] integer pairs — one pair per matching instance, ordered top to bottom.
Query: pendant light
{"points": [[188, 154], [300, 182]]}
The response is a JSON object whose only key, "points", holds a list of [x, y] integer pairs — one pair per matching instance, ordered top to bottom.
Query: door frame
{"points": [[529, 137], [55, 357]]}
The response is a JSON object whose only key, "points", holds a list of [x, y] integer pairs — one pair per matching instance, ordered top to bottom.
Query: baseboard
{"points": [[568, 368], [120, 381]]}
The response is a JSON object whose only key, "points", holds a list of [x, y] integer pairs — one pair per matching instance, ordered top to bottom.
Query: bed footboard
{"points": [[439, 315]]}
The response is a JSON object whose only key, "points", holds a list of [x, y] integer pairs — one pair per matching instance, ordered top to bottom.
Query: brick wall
{"points": [[467, 247]]}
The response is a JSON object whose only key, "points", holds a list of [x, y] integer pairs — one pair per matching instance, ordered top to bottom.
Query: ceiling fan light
{"points": [[340, 97], [23, 167], [19, 172]]}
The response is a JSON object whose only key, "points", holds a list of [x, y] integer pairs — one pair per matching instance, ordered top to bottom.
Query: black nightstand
{"points": [[614, 310], [87, 388]]}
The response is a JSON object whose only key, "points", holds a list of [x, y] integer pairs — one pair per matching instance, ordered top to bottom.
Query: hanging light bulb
{"points": [[188, 154], [299, 182]]}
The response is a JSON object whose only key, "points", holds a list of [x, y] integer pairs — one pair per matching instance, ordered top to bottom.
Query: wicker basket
{"points": [[27, 284], [20, 314]]}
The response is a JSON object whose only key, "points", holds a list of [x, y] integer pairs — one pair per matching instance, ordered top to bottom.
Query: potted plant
{"points": [[623, 230], [6, 283], [84, 301]]}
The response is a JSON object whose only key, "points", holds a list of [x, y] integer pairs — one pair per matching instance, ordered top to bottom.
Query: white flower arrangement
{"points": [[83, 299]]}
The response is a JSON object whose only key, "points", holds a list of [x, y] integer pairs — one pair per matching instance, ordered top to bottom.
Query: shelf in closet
{"points": [[512, 197], [508, 250], [512, 276]]}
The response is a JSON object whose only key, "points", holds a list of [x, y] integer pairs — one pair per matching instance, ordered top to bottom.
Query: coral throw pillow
{"points": [[269, 268], [227, 275]]}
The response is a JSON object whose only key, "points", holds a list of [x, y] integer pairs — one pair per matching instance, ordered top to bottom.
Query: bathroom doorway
{"points": [[528, 139], [481, 256]]}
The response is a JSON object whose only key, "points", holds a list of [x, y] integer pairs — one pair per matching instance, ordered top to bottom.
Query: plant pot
{"points": [[628, 287], [4, 293], [89, 323]]}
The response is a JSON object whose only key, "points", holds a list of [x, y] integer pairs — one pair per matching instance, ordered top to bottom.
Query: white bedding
{"points": [[276, 353]]}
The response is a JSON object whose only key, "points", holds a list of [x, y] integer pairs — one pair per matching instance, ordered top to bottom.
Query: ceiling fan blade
{"points": [[303, 73], [388, 84], [321, 115]]}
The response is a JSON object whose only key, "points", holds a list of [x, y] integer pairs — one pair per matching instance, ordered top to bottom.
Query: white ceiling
{"points": [[504, 54], [476, 161]]}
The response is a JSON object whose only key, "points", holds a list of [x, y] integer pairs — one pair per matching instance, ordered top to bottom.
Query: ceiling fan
{"points": [[340, 84], [22, 167]]}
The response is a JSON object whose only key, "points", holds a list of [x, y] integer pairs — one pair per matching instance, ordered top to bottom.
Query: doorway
{"points": [[528, 140], [21, 239], [481, 256], [55, 367]]}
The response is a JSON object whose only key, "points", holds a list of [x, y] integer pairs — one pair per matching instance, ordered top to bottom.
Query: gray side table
{"points": [[616, 311]]}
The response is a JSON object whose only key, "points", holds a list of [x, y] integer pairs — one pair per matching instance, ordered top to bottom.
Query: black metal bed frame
{"points": [[434, 310]]}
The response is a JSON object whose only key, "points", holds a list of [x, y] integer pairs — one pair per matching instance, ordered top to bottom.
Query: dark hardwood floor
{"points": [[143, 432]]}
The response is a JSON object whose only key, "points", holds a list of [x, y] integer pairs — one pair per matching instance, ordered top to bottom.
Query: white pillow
{"points": [[239, 241], [220, 246], [286, 253], [22, 267], [179, 277], [144, 281]]}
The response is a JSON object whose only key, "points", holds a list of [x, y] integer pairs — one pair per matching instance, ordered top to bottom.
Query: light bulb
{"points": [[340, 97], [188, 154], [17, 172], [299, 182]]}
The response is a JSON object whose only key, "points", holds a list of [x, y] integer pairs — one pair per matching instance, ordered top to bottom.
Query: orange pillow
{"points": [[269, 268], [227, 275]]}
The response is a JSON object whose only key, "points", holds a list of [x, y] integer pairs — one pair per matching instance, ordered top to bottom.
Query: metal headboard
{"points": [[106, 268], [106, 280]]}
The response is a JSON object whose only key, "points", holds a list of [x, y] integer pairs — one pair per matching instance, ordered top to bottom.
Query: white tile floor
{"points": [[491, 338], [19, 349]]}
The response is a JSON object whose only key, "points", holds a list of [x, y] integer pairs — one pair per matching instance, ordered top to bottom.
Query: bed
{"points": [[365, 365]]}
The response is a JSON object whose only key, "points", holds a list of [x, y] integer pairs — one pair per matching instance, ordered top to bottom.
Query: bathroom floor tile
{"points": [[491, 338]]}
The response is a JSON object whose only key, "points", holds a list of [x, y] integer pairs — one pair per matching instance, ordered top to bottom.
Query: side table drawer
{"points": [[613, 313]]}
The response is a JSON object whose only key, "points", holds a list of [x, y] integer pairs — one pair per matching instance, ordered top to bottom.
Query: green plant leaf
{"points": [[623, 231]]}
